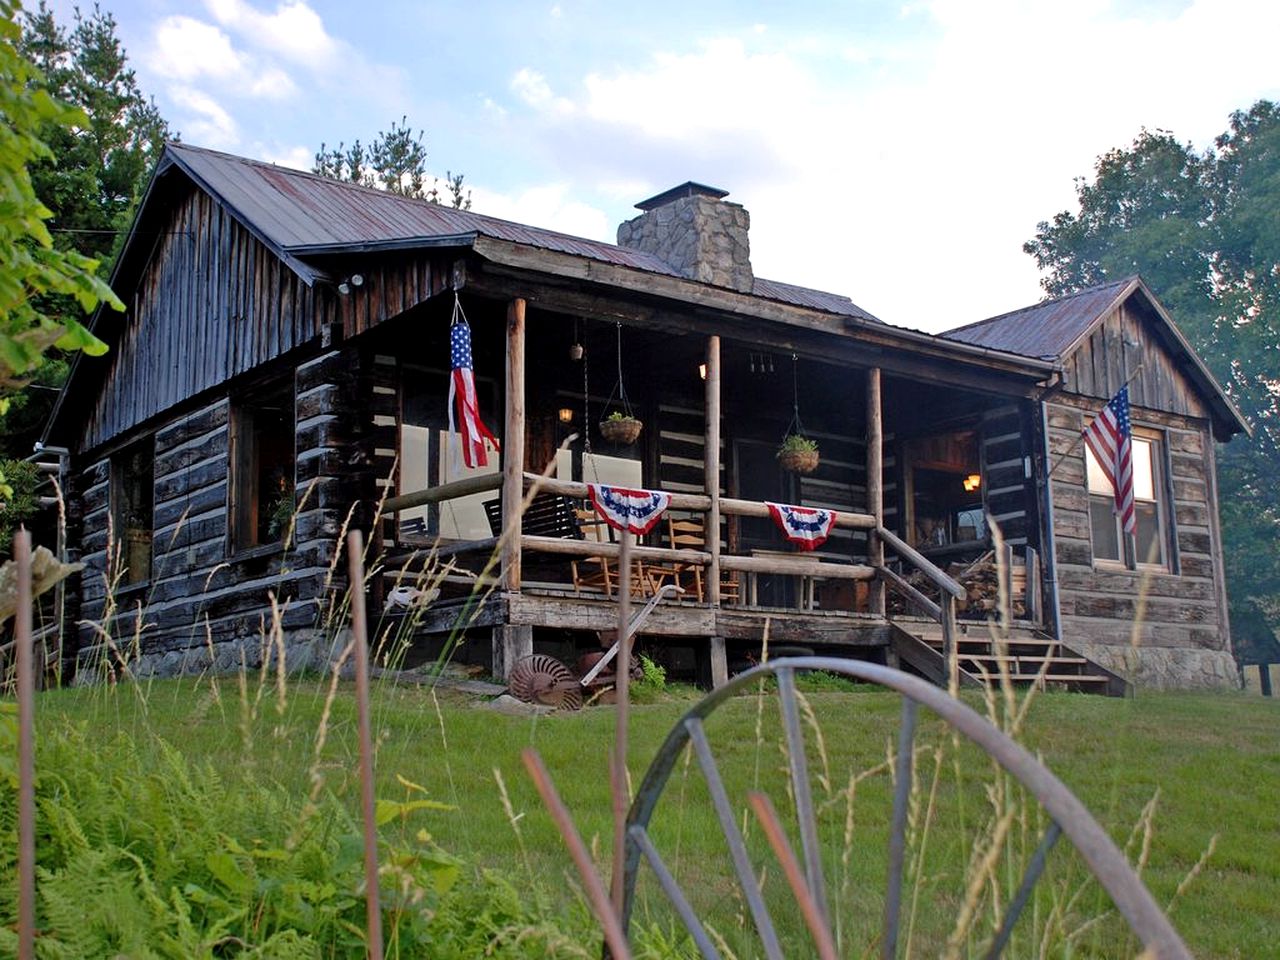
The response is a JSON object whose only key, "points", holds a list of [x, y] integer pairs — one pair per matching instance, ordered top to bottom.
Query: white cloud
{"points": [[294, 30], [187, 50], [532, 87], [720, 88], [208, 123], [294, 157], [910, 179], [548, 206]]}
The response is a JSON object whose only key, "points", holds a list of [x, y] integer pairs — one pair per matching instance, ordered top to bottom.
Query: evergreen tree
{"points": [[396, 161]]}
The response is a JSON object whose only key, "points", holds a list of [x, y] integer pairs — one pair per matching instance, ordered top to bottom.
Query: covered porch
{"points": [[713, 405]]}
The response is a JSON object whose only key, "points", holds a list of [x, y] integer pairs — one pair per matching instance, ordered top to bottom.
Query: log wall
{"points": [[206, 606], [1166, 627]]}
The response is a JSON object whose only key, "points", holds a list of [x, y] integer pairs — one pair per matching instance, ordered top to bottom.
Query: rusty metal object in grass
{"points": [[360, 640], [543, 679], [26, 747], [1066, 814], [597, 896], [814, 915]]}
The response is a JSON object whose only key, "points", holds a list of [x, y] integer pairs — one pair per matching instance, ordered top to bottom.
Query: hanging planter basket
{"points": [[622, 430], [798, 454]]}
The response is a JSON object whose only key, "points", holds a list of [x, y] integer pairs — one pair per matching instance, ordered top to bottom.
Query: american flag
{"points": [[462, 395], [1110, 437]]}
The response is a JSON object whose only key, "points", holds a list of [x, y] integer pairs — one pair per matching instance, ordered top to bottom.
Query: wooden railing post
{"points": [[513, 448], [711, 469], [875, 487], [1033, 603], [949, 651]]}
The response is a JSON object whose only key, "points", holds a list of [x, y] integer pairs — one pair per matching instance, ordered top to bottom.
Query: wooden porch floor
{"points": [[563, 610]]}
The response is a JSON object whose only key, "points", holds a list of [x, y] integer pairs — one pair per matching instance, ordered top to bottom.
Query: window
{"points": [[262, 460], [132, 517], [1108, 541]]}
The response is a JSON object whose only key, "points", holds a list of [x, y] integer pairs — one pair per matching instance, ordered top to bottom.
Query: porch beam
{"points": [[513, 447], [711, 475], [875, 488], [446, 491], [578, 491], [696, 502], [611, 551], [787, 566]]}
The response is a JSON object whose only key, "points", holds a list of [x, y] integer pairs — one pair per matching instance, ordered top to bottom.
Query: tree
{"points": [[396, 161], [100, 167], [90, 179], [1204, 230], [31, 266]]}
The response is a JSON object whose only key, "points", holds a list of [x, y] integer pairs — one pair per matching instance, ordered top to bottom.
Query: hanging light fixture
{"points": [[575, 349], [565, 414], [972, 482]]}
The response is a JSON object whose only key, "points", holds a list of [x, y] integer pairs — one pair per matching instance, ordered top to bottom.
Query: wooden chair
{"points": [[689, 533], [593, 573], [600, 573]]}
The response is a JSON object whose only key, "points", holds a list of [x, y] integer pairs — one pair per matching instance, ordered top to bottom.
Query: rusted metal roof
{"points": [[303, 214], [1046, 330]]}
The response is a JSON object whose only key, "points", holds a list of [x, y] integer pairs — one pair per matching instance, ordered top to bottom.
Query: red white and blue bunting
{"points": [[635, 510], [806, 527]]}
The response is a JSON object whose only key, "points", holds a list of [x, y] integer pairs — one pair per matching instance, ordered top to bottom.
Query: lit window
{"points": [[1107, 534]]}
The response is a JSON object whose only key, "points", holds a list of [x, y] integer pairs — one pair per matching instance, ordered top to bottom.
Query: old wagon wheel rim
{"points": [[1068, 815]]}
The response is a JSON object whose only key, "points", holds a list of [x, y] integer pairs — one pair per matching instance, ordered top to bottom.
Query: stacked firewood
{"points": [[981, 582]]}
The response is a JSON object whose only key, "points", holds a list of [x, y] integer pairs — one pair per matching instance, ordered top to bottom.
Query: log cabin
{"points": [[282, 372]]}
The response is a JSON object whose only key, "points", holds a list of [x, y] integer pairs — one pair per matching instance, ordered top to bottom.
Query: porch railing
{"points": [[942, 611]]}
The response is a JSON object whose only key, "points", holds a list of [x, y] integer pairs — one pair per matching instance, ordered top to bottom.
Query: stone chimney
{"points": [[697, 234]]}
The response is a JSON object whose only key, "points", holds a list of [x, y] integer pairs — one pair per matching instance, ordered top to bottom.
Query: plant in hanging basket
{"points": [[620, 428], [798, 454]]}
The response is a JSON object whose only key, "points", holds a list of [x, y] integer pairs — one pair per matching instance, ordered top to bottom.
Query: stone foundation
{"points": [[304, 651], [1165, 668]]}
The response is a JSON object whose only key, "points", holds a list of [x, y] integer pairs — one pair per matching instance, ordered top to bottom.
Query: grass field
{"points": [[1212, 764]]}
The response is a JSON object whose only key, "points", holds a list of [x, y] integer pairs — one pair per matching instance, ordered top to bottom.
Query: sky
{"points": [[897, 153]]}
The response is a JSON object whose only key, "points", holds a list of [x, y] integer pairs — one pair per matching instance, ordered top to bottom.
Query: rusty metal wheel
{"points": [[545, 680], [1066, 818]]}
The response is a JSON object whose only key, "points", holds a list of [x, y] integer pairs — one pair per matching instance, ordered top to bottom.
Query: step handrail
{"points": [[922, 563], [944, 612]]}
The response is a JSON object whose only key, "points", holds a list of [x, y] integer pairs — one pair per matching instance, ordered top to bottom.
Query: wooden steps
{"points": [[1027, 657]]}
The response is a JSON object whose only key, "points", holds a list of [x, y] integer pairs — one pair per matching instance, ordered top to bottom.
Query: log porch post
{"points": [[513, 448], [711, 469], [711, 484], [875, 487]]}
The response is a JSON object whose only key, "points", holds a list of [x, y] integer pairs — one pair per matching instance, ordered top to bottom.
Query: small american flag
{"points": [[462, 397], [1110, 437]]}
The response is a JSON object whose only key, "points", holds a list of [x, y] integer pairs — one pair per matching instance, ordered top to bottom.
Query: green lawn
{"points": [[1214, 761]]}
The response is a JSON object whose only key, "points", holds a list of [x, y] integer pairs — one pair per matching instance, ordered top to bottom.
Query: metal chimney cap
{"points": [[689, 188]]}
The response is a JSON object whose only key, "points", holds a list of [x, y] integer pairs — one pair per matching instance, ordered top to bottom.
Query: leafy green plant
{"points": [[30, 265], [619, 417], [797, 443], [18, 501], [280, 512], [652, 675]]}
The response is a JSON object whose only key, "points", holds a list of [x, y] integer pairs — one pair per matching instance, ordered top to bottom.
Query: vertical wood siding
{"points": [[213, 302], [1124, 347]]}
